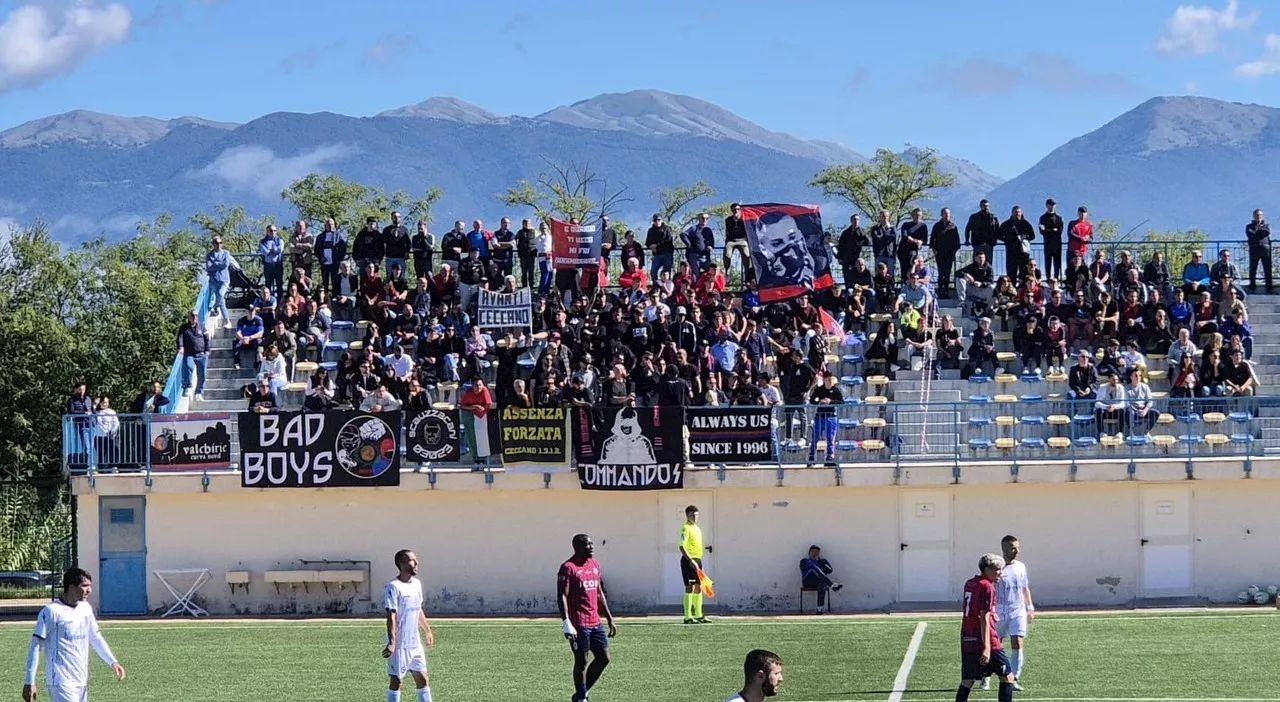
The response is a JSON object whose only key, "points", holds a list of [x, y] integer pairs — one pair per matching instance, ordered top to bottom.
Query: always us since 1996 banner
{"points": [[730, 435]]}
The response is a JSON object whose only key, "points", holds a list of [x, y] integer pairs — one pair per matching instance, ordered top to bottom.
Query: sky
{"points": [[999, 83]]}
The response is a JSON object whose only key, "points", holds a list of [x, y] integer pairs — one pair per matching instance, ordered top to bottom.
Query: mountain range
{"points": [[1175, 162]]}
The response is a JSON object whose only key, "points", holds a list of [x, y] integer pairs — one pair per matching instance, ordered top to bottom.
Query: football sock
{"points": [[688, 605], [697, 605], [1019, 657], [580, 688], [1006, 692], [424, 694], [962, 694], [393, 696]]}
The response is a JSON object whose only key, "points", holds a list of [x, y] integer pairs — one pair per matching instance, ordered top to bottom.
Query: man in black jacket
{"points": [[983, 230], [1258, 232], [915, 234], [1017, 234], [1051, 234], [735, 239], [884, 242], [945, 242], [662, 245], [369, 247], [849, 248], [193, 342], [815, 574]]}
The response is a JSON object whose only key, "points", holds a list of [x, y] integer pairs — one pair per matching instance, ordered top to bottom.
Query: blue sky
{"points": [[999, 83]]}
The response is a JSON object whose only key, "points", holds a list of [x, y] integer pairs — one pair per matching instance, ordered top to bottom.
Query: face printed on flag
{"points": [[788, 248]]}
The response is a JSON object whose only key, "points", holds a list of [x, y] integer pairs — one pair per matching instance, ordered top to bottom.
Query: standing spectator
{"points": [[982, 230], [1258, 232], [1080, 233], [914, 234], [1017, 234], [1051, 235], [479, 239], [944, 239], [735, 240], [698, 241], [396, 243], [884, 243], [453, 244], [661, 245], [302, 247], [369, 247], [422, 247], [504, 247], [543, 247], [848, 248], [271, 249], [332, 250], [527, 252], [218, 265], [1156, 275], [194, 343], [827, 397], [150, 401], [475, 404], [80, 408], [106, 435]]}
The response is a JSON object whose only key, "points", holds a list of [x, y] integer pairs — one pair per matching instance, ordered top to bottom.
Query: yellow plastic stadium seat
{"points": [[881, 317], [1004, 336], [356, 346], [1005, 356], [1157, 357], [832, 358], [305, 367], [1157, 374], [1056, 377], [1006, 378], [878, 380], [297, 387], [447, 387], [1159, 395], [1006, 398], [442, 405], [1165, 418], [1214, 418], [1057, 420], [1005, 421], [873, 423], [1216, 439], [1163, 440], [1110, 441], [1059, 442], [1005, 443], [872, 445]]}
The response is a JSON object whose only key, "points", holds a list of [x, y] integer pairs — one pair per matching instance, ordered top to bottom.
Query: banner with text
{"points": [[574, 246], [499, 309], [730, 435], [433, 436], [534, 439], [189, 441], [629, 448], [319, 449]]}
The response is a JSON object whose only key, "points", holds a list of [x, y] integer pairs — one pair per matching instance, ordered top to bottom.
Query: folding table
{"points": [[199, 577]]}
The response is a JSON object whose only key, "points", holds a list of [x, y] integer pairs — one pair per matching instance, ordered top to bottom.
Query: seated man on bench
{"points": [[815, 574]]}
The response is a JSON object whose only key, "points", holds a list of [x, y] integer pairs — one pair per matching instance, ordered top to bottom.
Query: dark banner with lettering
{"points": [[730, 434], [433, 435], [534, 439], [179, 442], [629, 448], [319, 449]]}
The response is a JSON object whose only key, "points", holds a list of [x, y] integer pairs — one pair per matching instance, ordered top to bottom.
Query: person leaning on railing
{"points": [[1258, 234]]}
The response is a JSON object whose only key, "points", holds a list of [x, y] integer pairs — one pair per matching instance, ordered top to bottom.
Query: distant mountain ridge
{"points": [[95, 128]]}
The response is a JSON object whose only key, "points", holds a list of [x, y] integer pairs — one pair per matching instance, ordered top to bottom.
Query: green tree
{"points": [[889, 181], [566, 191], [317, 197]]}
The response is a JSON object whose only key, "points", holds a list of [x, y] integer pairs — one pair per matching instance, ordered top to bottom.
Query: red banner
{"points": [[574, 246]]}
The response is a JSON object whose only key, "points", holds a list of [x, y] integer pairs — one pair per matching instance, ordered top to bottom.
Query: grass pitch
{"points": [[1203, 656]]}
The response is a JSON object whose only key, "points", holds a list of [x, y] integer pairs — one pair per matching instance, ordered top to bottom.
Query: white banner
{"points": [[498, 309]]}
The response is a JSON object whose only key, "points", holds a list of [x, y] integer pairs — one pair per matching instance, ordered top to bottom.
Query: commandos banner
{"points": [[574, 246], [788, 250], [499, 309], [730, 435], [433, 436], [534, 439], [189, 441], [629, 448], [319, 449]]}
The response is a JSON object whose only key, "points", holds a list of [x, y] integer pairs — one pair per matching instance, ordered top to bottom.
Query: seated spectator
{"points": [[1223, 273], [1156, 274], [1195, 275], [1078, 279], [975, 282], [1003, 302], [1237, 326], [249, 332], [1159, 336], [1031, 343], [950, 344], [1056, 346], [982, 351], [275, 372], [1213, 375], [1082, 378], [1240, 379], [1186, 380], [321, 393], [261, 399], [381, 400], [1110, 405], [1142, 414], [815, 574]]}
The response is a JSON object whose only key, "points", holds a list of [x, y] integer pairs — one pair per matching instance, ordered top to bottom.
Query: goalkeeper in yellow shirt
{"points": [[690, 564]]}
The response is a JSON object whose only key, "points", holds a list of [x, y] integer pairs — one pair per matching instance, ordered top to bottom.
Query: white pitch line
{"points": [[908, 660], [1096, 699]]}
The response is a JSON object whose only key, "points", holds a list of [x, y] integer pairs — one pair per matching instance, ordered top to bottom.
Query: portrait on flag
{"points": [[574, 246], [788, 250], [629, 448]]}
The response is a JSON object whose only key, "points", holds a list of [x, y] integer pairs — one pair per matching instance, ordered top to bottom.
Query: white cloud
{"points": [[1197, 29], [37, 43], [1267, 64], [259, 170]]}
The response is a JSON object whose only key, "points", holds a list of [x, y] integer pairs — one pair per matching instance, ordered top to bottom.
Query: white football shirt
{"points": [[1011, 590], [405, 599], [66, 632]]}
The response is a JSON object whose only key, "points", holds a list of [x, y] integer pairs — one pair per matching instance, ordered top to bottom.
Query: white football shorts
{"points": [[1011, 625], [403, 661], [67, 694]]}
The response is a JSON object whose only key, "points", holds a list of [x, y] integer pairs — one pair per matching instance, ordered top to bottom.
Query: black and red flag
{"points": [[788, 250]]}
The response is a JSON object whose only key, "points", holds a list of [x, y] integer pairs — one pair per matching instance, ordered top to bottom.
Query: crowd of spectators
{"points": [[669, 332]]}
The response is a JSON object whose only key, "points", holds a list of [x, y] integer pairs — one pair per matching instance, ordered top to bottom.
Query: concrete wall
{"points": [[492, 550]]}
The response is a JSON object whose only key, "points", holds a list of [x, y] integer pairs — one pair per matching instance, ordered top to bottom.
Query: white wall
{"points": [[494, 550]]}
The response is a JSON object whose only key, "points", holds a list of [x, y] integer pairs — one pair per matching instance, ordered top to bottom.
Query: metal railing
{"points": [[1005, 429]]}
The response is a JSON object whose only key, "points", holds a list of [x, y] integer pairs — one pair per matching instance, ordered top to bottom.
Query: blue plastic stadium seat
{"points": [[342, 324], [336, 345], [851, 358], [331, 366], [1030, 377], [979, 379], [853, 380], [1032, 398], [979, 399], [853, 400], [1240, 417], [1188, 418], [1034, 420], [981, 421], [847, 423], [1191, 439], [1244, 439], [1138, 440], [1033, 442], [1086, 442], [979, 444], [847, 445], [791, 446]]}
